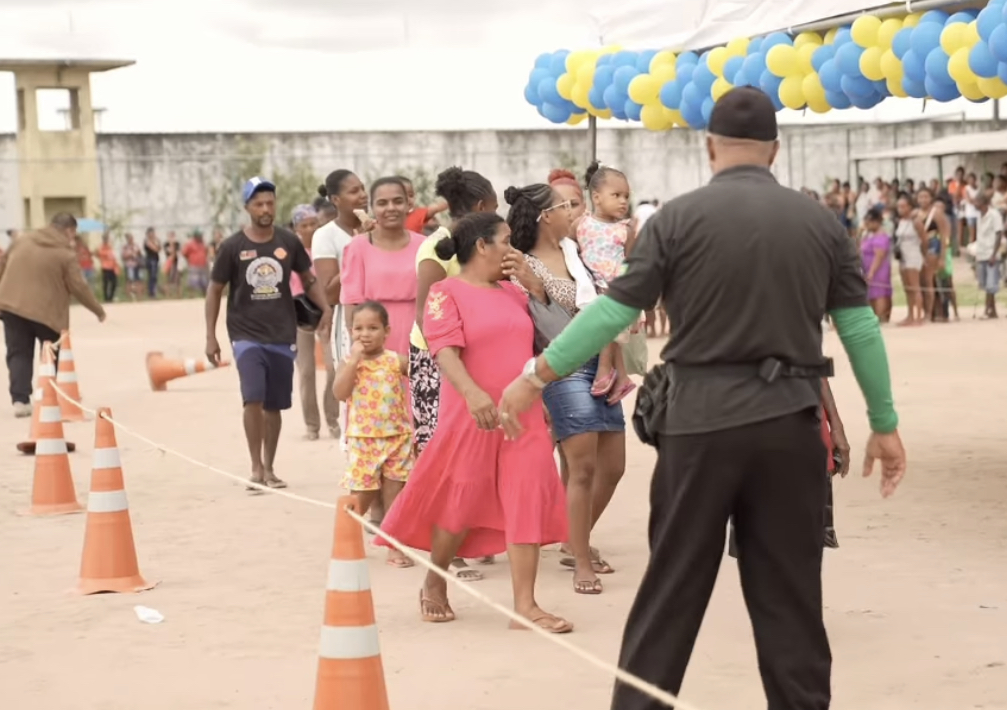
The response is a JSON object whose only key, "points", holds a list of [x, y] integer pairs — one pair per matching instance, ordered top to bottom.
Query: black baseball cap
{"points": [[745, 113]]}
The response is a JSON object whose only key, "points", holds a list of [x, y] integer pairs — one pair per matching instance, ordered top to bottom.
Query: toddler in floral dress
{"points": [[379, 433]]}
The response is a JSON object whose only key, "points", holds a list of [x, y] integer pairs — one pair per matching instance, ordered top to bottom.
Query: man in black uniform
{"points": [[747, 270]]}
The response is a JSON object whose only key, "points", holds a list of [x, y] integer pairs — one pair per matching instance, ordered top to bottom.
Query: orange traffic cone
{"points": [[161, 370], [66, 378], [28, 445], [52, 490], [109, 560], [350, 674]]}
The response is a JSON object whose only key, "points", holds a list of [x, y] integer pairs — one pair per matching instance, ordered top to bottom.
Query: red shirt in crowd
{"points": [[195, 253]]}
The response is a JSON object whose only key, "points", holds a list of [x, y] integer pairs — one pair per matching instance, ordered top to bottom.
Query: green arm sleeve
{"points": [[594, 327], [861, 337]]}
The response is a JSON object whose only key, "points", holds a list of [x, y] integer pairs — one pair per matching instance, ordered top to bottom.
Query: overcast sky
{"points": [[319, 65]]}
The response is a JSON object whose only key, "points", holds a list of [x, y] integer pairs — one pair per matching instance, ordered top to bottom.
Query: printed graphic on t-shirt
{"points": [[264, 275]]}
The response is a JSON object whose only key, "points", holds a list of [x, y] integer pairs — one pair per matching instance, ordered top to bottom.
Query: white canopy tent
{"points": [[940, 148]]}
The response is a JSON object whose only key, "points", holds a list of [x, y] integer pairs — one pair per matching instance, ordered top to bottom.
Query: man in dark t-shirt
{"points": [[255, 265]]}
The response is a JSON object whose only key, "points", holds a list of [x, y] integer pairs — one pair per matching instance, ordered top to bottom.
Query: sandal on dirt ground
{"points": [[274, 482], [255, 488], [488, 560], [400, 562], [599, 565], [465, 573], [587, 586], [435, 612], [547, 622]]}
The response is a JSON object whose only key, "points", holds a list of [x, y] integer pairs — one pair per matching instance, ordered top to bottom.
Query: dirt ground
{"points": [[916, 596]]}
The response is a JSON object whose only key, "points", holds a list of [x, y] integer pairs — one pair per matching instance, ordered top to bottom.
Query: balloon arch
{"points": [[931, 55]]}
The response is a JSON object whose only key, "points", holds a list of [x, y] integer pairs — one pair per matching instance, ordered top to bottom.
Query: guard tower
{"points": [[58, 169]]}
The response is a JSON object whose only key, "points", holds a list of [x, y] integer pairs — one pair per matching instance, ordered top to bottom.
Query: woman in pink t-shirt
{"points": [[305, 222], [381, 266]]}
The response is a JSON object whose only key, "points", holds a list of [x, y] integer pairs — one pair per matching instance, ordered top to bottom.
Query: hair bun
{"points": [[592, 169], [561, 174], [322, 191], [512, 195], [446, 248]]}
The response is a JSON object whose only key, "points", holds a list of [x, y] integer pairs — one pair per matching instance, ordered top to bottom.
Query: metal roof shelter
{"points": [[960, 144]]}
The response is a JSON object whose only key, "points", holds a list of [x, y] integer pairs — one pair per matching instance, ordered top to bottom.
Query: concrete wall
{"points": [[187, 180]]}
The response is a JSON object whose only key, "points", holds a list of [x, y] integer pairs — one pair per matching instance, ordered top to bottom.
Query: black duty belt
{"points": [[770, 370]]}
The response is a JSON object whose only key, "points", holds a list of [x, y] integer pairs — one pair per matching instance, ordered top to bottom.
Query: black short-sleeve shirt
{"points": [[746, 270], [260, 308]]}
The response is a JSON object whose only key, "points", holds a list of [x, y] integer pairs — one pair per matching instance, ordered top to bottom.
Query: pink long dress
{"points": [[388, 277], [502, 492]]}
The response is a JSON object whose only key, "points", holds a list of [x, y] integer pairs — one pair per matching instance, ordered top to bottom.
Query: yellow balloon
{"points": [[912, 20], [864, 30], [886, 33], [971, 34], [830, 36], [953, 37], [806, 38], [738, 47], [611, 49], [804, 55], [664, 58], [575, 60], [716, 60], [783, 61], [870, 63], [891, 66], [958, 66], [663, 73], [585, 74], [564, 86], [720, 87], [895, 88], [993, 88], [644, 89], [812, 89], [971, 91], [792, 92], [579, 96], [819, 105], [604, 114], [674, 117], [576, 118], [654, 118]]}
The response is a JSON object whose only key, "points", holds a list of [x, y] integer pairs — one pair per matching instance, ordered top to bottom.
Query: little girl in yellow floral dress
{"points": [[379, 433]]}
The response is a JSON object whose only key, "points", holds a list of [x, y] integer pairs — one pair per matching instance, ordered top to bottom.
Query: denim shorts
{"points": [[988, 276], [266, 373], [574, 410]]}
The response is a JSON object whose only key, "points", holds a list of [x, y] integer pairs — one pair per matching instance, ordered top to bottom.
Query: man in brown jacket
{"points": [[37, 279]]}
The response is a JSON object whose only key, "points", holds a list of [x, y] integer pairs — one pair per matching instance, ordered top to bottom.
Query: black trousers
{"points": [[109, 280], [21, 334], [768, 476]]}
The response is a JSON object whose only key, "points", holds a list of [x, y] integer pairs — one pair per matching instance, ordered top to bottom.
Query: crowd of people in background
{"points": [[923, 226]]}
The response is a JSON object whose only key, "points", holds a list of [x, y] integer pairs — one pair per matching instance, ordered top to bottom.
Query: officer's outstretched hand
{"points": [[888, 449]]}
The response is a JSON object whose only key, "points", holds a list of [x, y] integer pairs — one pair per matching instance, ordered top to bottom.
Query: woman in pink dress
{"points": [[381, 266], [472, 493]]}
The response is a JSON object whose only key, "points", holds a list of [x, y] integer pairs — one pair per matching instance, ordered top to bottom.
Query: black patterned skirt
{"points": [[425, 386]]}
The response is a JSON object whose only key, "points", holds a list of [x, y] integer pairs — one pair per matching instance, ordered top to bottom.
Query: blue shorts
{"points": [[988, 276], [266, 373], [574, 410]]}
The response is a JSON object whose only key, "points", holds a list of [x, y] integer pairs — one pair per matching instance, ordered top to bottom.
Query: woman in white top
{"points": [[971, 211], [909, 251]]}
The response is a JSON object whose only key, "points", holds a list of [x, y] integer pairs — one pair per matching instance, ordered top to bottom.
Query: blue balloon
{"points": [[934, 17], [964, 17], [988, 20], [926, 36], [842, 37], [773, 39], [902, 42], [998, 43], [754, 45], [822, 55], [684, 58], [624, 59], [848, 59], [604, 60], [643, 60], [543, 61], [981, 61], [733, 65], [913, 66], [937, 66], [557, 67], [753, 67], [1002, 71], [685, 73], [538, 74], [623, 75], [830, 76], [603, 77], [703, 77], [740, 79], [770, 84], [857, 87], [881, 88], [916, 89], [941, 92], [547, 93], [531, 94], [671, 95], [691, 95], [597, 97], [837, 99], [613, 100], [866, 102], [707, 108], [632, 110], [692, 111], [619, 112], [555, 113]]}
